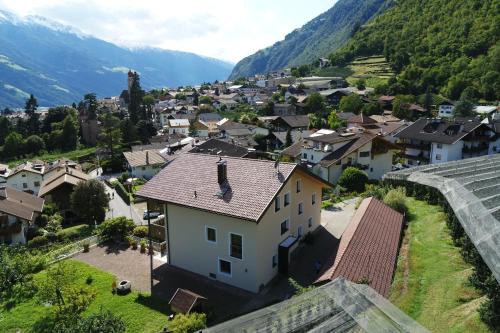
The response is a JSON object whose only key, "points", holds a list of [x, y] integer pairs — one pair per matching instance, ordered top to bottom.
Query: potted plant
{"points": [[133, 243], [86, 246], [143, 246]]}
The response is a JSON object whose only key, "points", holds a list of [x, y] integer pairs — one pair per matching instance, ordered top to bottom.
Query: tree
{"points": [[361, 84], [135, 99], [205, 100], [428, 100], [148, 102], [316, 103], [351, 103], [89, 105], [399, 106], [464, 108], [30, 109], [370, 109], [334, 121], [315, 122], [192, 128], [5, 129], [145, 130], [129, 131], [111, 134], [69, 135], [288, 139], [34, 144], [13, 145], [353, 179], [89, 201], [116, 229], [59, 289], [103, 321], [188, 323]]}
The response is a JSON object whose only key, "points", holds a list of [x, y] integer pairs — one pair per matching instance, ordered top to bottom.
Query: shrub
{"points": [[353, 179], [122, 192], [396, 199], [42, 220], [54, 223], [116, 229], [33, 231], [140, 231], [75, 232], [38, 241], [133, 243], [143, 246], [86, 247], [89, 279], [103, 322], [188, 323]]}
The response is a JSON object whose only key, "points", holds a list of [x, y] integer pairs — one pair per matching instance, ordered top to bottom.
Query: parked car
{"points": [[152, 214]]}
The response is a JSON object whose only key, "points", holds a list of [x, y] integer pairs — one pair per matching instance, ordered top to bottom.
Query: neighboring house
{"points": [[386, 101], [284, 109], [445, 109], [486, 110], [211, 120], [283, 123], [178, 126], [232, 128], [202, 130], [278, 139], [429, 141], [220, 148], [330, 154], [144, 164], [4, 173], [27, 177], [58, 187], [17, 211], [235, 220], [368, 248]]}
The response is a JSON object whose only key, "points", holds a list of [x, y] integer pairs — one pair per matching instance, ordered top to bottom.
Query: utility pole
{"points": [[150, 246]]}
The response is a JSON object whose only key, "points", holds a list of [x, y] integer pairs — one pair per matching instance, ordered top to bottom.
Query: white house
{"points": [[446, 109], [178, 126], [330, 154], [144, 164], [18, 210], [234, 220]]}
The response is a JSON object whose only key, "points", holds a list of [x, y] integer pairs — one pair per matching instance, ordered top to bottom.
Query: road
{"points": [[118, 207]]}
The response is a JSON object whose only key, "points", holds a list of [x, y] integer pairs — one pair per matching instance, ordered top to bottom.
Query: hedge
{"points": [[122, 192]]}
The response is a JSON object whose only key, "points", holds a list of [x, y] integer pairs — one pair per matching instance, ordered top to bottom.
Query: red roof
{"points": [[368, 247]]}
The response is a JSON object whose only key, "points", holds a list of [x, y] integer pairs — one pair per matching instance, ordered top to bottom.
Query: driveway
{"points": [[118, 207], [336, 218], [223, 301]]}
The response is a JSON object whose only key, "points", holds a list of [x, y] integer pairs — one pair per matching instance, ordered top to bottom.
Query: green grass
{"points": [[72, 155], [431, 281], [141, 313]]}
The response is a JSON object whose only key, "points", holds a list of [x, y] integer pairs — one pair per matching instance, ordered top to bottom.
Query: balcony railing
{"points": [[420, 146], [475, 149]]}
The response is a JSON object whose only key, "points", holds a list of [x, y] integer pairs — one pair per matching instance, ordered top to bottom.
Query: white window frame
{"points": [[289, 199], [300, 208], [206, 234], [229, 243], [224, 273]]}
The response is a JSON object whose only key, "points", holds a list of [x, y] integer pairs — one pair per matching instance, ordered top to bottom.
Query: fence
{"points": [[71, 249]]}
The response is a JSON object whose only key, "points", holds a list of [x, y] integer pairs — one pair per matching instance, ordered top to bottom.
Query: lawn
{"points": [[72, 155], [431, 281], [140, 312]]}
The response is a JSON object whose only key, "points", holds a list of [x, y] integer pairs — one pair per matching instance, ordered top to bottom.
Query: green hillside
{"points": [[315, 39], [446, 45]]}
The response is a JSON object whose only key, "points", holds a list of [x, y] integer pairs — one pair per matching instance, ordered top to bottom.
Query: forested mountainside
{"points": [[315, 39], [443, 46]]}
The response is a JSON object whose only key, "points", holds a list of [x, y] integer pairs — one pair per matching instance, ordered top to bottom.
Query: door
{"points": [[299, 232], [283, 259]]}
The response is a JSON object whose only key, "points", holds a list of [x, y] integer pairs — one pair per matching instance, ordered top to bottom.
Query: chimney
{"points": [[147, 157], [221, 172]]}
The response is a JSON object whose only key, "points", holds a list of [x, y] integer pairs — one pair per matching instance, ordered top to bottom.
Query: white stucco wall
{"points": [[451, 152], [147, 171], [18, 180]]}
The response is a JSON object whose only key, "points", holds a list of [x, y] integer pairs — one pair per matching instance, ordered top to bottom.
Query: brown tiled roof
{"points": [[361, 119], [296, 121], [293, 150], [138, 158], [64, 176], [251, 185], [19, 204], [368, 247], [184, 300]]}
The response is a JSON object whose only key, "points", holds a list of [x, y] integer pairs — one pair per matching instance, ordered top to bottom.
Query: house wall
{"points": [[446, 110], [178, 130], [494, 147], [448, 152], [380, 165], [147, 171], [31, 179], [15, 238], [190, 250]]}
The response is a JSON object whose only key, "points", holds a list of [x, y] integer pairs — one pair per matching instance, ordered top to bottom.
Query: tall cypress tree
{"points": [[30, 110], [135, 111]]}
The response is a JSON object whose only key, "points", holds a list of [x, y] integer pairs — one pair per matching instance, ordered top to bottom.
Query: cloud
{"points": [[225, 29]]}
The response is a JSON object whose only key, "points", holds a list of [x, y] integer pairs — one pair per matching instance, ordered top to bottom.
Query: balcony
{"points": [[419, 146], [475, 149], [419, 157], [10, 229]]}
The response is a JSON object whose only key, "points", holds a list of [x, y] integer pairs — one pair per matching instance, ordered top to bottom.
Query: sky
{"points": [[223, 29]]}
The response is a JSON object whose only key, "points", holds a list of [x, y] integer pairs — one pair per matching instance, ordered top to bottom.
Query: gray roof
{"points": [[210, 117], [296, 135], [221, 148], [143, 157], [19, 204]]}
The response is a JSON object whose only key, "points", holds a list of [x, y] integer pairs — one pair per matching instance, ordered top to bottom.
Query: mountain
{"points": [[315, 39], [446, 46], [59, 64]]}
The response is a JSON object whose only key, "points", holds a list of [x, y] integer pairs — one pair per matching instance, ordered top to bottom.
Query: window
{"points": [[439, 145], [364, 154], [305, 155], [312, 157], [438, 157], [143, 168], [23, 175], [37, 184], [25, 185], [299, 185], [287, 199], [313, 199], [277, 204], [301, 208], [310, 222], [284, 226], [299, 232], [211, 234], [236, 246], [275, 261], [224, 267]]}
